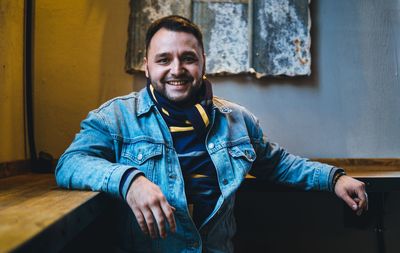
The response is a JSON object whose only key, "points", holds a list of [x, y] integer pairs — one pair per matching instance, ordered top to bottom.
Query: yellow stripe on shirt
{"points": [[152, 92], [165, 111], [203, 114], [174, 129], [198, 176], [248, 176]]}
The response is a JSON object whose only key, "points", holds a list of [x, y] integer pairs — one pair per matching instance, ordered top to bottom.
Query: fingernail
{"points": [[354, 207]]}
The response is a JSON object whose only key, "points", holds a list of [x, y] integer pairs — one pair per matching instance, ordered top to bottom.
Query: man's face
{"points": [[175, 64]]}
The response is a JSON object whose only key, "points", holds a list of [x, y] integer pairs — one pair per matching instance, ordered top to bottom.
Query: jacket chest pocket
{"points": [[143, 156], [242, 157]]}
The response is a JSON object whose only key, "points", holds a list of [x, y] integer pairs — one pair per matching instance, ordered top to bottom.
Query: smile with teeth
{"points": [[176, 82]]}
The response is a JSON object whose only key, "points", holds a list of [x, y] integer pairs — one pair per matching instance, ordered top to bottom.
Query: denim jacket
{"points": [[128, 132]]}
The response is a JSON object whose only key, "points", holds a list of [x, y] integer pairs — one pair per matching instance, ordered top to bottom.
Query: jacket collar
{"points": [[145, 103], [221, 107]]}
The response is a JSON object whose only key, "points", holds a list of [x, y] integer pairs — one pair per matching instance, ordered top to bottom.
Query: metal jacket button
{"points": [[211, 145], [140, 157]]}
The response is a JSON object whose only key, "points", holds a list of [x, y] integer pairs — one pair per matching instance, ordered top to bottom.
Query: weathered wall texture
{"points": [[144, 12], [226, 35], [265, 37], [281, 37], [11, 80], [348, 107]]}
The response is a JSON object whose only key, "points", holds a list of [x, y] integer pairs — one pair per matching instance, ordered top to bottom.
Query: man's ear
{"points": [[146, 69]]}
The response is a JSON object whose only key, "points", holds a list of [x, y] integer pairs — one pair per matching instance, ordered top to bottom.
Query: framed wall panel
{"points": [[264, 37]]}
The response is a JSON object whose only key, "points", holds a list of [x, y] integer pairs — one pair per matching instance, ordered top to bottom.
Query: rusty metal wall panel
{"points": [[143, 12], [226, 37], [265, 37], [281, 37]]}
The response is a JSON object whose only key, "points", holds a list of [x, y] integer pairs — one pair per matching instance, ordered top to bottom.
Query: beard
{"points": [[183, 89]]}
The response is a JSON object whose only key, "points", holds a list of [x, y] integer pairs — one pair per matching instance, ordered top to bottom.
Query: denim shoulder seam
{"points": [[132, 95]]}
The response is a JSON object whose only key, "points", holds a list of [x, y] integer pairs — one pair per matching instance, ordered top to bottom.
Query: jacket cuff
{"points": [[322, 177], [112, 180], [127, 180]]}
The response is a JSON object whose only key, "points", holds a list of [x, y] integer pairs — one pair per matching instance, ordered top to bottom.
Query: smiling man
{"points": [[175, 65], [177, 154]]}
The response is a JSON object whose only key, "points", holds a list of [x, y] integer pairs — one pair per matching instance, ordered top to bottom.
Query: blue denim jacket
{"points": [[129, 132]]}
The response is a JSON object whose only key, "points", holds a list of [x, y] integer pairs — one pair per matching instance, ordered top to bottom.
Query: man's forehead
{"points": [[165, 38], [183, 52]]}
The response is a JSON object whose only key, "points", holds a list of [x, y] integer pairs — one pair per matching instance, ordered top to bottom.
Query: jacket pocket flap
{"points": [[243, 150], [140, 152]]}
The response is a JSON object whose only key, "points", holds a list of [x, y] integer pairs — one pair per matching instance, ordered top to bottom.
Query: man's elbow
{"points": [[61, 174]]}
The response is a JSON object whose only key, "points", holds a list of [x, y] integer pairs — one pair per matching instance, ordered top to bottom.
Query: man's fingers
{"points": [[352, 192], [363, 196], [361, 199], [350, 202], [358, 203], [151, 208], [169, 215], [159, 216], [141, 221], [150, 223]]}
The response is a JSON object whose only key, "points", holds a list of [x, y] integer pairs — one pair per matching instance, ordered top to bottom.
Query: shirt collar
{"points": [[145, 103]]}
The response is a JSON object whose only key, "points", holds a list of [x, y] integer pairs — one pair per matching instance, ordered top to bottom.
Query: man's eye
{"points": [[189, 59], [162, 61]]}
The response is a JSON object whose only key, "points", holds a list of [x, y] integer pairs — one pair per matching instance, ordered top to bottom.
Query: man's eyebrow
{"points": [[189, 53], [166, 54], [161, 55]]}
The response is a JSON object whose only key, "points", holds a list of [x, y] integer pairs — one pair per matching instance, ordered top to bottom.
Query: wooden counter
{"points": [[379, 175], [33, 207], [37, 216]]}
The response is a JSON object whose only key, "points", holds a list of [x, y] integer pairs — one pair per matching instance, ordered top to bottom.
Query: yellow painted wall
{"points": [[79, 64], [12, 145]]}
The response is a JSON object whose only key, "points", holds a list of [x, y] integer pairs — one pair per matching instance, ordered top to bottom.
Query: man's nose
{"points": [[176, 68]]}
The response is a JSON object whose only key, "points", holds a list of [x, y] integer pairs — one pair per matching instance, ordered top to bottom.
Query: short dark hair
{"points": [[174, 23]]}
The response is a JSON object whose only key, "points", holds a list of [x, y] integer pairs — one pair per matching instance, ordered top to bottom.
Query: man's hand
{"points": [[353, 193], [150, 207]]}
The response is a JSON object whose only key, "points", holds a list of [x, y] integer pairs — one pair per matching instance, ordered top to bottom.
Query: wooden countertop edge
{"points": [[361, 162], [366, 167], [44, 220], [58, 232], [56, 235]]}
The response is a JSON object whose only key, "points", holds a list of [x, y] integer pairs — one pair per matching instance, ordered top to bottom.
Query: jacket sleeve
{"points": [[89, 162], [275, 164]]}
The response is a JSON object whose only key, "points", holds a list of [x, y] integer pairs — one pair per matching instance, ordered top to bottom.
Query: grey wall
{"points": [[350, 105]]}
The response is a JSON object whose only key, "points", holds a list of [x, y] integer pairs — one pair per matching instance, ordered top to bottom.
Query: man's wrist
{"points": [[336, 177]]}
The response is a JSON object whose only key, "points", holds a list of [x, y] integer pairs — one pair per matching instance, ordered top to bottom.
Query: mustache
{"points": [[186, 78]]}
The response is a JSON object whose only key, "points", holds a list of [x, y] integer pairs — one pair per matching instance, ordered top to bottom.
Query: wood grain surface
{"points": [[367, 167], [32, 203], [37, 216]]}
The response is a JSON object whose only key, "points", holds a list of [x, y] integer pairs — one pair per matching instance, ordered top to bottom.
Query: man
{"points": [[177, 154]]}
